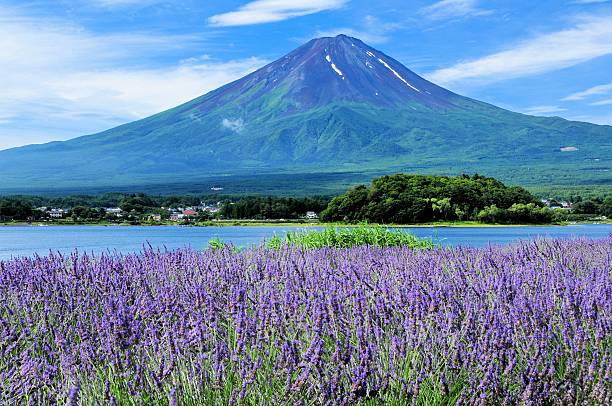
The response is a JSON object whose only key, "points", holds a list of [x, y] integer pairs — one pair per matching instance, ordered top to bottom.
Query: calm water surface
{"points": [[28, 240]]}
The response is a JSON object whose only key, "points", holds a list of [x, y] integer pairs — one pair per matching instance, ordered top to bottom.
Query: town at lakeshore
{"points": [[395, 199]]}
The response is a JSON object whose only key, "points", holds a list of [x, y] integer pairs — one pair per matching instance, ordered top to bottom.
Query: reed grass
{"points": [[349, 237]]}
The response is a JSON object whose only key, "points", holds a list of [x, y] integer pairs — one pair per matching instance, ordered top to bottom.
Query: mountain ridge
{"points": [[332, 105]]}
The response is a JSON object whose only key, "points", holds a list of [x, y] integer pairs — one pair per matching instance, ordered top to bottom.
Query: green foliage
{"points": [[340, 138], [572, 193], [404, 199], [127, 200], [140, 203], [593, 206], [606, 207], [14, 208], [262, 208], [587, 209], [80, 213], [517, 214], [350, 237], [216, 244]]}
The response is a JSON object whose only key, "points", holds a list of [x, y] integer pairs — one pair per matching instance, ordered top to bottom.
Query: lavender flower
{"points": [[529, 323]]}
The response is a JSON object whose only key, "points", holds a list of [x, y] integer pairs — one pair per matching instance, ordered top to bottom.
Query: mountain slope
{"points": [[333, 105]]}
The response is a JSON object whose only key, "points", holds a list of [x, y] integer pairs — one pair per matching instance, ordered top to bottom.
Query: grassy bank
{"points": [[297, 223], [336, 237]]}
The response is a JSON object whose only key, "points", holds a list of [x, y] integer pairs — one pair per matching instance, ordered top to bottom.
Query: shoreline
{"points": [[259, 223]]}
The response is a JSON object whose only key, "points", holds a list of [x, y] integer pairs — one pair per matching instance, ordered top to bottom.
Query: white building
{"points": [[113, 210], [57, 213], [177, 216]]}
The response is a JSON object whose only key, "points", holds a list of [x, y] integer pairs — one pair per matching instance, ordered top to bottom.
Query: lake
{"points": [[28, 240]]}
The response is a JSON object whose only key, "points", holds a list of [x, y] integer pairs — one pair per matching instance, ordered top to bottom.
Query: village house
{"points": [[210, 208], [113, 210], [57, 213], [311, 215], [177, 216]]}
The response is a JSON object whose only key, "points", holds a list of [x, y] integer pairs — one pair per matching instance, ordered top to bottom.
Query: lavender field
{"points": [[525, 324]]}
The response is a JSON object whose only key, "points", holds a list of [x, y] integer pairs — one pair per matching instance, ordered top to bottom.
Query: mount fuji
{"points": [[331, 112]]}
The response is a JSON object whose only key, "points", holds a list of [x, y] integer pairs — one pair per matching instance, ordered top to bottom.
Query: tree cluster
{"points": [[405, 198], [136, 201], [596, 206], [15, 208], [265, 208], [518, 213]]}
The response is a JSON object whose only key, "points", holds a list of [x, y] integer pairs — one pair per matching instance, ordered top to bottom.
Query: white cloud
{"points": [[121, 3], [448, 9], [267, 11], [588, 39], [59, 80], [593, 91], [139, 93], [605, 102], [540, 110], [605, 119], [235, 125]]}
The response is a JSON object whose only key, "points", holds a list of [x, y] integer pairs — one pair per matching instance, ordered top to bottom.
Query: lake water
{"points": [[27, 240]]}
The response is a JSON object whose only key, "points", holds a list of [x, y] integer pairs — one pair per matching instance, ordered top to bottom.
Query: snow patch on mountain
{"points": [[334, 67], [397, 74]]}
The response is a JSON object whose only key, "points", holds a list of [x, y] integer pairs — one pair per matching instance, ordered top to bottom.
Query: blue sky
{"points": [[75, 67]]}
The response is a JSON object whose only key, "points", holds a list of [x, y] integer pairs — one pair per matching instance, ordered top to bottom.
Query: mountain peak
{"points": [[337, 38], [341, 68], [332, 106]]}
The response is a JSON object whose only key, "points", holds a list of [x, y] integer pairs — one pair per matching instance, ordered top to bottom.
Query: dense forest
{"points": [[397, 199], [404, 199], [262, 208]]}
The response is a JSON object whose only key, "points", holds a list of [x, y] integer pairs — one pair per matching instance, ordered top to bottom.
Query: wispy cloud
{"points": [[590, 1], [121, 3], [448, 9], [267, 11], [372, 30], [590, 38], [59, 80], [593, 91], [605, 102], [540, 110], [604, 119], [235, 125]]}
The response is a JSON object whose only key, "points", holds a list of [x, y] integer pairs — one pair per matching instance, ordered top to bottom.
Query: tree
{"points": [[405, 198], [138, 203], [347, 207], [586, 207], [606, 207], [442, 208], [16, 209], [518, 213], [493, 215]]}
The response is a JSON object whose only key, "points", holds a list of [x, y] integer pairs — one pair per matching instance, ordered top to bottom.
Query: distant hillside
{"points": [[333, 112]]}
